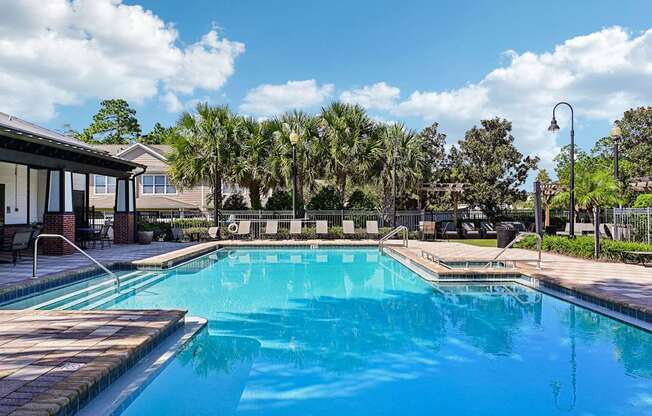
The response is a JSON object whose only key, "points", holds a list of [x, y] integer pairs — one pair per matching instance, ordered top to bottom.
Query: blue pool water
{"points": [[353, 332]]}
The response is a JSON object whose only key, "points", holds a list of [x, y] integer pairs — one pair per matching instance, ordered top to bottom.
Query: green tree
{"points": [[114, 123], [345, 131], [160, 135], [636, 142], [203, 153], [488, 160], [251, 165], [434, 167], [543, 176], [327, 199], [280, 200], [360, 200], [643, 201], [235, 202]]}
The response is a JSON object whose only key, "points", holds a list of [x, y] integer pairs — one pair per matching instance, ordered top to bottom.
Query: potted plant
{"points": [[146, 233]]}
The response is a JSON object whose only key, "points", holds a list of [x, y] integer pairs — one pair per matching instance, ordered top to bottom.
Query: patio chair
{"points": [[295, 227], [321, 227], [271, 228], [348, 228], [372, 228], [244, 229], [428, 229], [450, 230], [469, 230], [488, 230], [608, 231], [212, 232], [177, 234], [102, 236], [19, 241]]}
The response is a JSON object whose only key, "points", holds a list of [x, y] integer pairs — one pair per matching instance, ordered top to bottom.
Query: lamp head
{"points": [[554, 127], [616, 133], [294, 138]]}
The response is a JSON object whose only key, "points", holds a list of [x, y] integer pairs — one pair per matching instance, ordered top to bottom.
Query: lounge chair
{"points": [[295, 227], [321, 227], [271, 228], [348, 228], [372, 228], [244, 229], [428, 230], [450, 230], [469, 230], [488, 230], [212, 232], [177, 234], [20, 241]]}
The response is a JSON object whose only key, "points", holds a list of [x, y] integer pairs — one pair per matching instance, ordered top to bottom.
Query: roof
{"points": [[23, 136], [159, 150], [149, 202]]}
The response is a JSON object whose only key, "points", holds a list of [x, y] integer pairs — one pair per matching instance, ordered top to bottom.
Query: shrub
{"points": [[326, 199], [280, 200], [360, 200], [643, 201], [235, 202], [161, 230], [583, 246]]}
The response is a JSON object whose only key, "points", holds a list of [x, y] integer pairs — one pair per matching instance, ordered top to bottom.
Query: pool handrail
{"points": [[400, 228], [516, 239], [35, 259]]}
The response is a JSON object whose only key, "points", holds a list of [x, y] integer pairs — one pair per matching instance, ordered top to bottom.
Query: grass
{"points": [[479, 242]]}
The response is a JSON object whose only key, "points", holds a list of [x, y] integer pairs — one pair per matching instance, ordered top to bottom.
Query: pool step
{"points": [[110, 283], [123, 293], [91, 297]]}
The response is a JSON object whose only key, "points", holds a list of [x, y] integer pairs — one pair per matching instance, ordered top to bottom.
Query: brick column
{"points": [[62, 223], [123, 227]]}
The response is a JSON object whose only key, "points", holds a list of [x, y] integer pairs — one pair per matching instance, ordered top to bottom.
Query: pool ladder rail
{"points": [[400, 229], [517, 239], [116, 279]]}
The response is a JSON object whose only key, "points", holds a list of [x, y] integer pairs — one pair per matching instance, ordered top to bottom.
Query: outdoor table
{"points": [[86, 234]]}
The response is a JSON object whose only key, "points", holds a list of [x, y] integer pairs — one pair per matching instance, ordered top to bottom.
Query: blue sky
{"points": [[444, 50]]}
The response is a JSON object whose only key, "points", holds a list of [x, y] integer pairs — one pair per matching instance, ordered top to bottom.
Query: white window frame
{"points": [[166, 183], [105, 186]]}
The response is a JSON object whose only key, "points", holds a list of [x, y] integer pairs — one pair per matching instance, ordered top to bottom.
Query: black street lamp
{"points": [[555, 127], [616, 135], [294, 139], [394, 187]]}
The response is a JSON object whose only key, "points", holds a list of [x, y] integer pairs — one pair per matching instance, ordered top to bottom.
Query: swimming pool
{"points": [[352, 331]]}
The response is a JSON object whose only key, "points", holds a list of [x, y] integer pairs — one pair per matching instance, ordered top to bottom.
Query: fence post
{"points": [[596, 215], [649, 227]]}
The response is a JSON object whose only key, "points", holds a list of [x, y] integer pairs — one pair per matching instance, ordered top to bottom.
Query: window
{"points": [[104, 184], [158, 184]]}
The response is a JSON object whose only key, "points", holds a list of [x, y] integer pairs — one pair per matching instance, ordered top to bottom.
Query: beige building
{"points": [[155, 193]]}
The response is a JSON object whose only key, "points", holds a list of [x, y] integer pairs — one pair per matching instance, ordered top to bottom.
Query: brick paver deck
{"points": [[625, 284], [51, 362]]}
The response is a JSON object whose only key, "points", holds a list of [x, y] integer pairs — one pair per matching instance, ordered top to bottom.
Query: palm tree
{"points": [[345, 130], [404, 149], [204, 150], [309, 151], [251, 166]]}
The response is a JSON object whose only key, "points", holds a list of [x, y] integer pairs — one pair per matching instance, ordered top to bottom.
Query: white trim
{"points": [[144, 147]]}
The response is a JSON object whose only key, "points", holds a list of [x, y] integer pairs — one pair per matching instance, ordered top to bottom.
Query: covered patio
{"points": [[44, 186]]}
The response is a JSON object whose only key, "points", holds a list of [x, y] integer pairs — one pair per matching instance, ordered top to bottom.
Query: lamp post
{"points": [[555, 127], [616, 135], [294, 139], [394, 187]]}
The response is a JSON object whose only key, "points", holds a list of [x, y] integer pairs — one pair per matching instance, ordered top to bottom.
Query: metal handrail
{"points": [[392, 233], [516, 239], [35, 260]]}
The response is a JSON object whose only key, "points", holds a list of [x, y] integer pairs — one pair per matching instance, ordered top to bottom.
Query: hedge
{"points": [[583, 246]]}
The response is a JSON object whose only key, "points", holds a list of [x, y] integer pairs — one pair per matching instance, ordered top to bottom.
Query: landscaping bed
{"points": [[583, 247]]}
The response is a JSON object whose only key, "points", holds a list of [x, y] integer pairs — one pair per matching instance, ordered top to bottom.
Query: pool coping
{"points": [[637, 316], [120, 394]]}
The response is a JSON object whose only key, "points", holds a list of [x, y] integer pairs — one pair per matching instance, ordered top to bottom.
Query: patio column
{"points": [[59, 217], [124, 222]]}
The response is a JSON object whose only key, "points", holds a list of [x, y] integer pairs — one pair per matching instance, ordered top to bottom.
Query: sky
{"points": [[417, 62]]}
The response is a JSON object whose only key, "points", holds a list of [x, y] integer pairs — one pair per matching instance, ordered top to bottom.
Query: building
{"points": [[45, 179], [156, 196]]}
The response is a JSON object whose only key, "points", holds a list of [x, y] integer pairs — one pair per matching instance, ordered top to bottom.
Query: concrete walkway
{"points": [[121, 253], [52, 362]]}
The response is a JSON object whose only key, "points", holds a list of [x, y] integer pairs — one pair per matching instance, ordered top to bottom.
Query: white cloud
{"points": [[61, 53], [602, 74], [379, 96], [269, 99], [172, 102]]}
